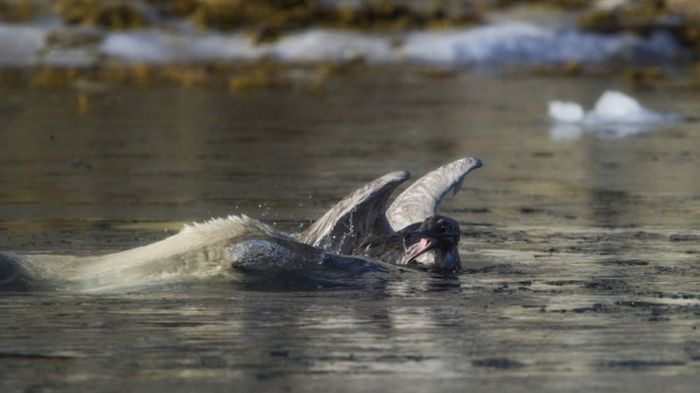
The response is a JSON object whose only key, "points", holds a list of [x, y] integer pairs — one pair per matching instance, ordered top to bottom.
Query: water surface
{"points": [[580, 251]]}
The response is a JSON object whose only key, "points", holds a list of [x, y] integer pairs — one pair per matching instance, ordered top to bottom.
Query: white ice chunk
{"points": [[21, 45], [328, 45], [613, 107], [616, 107], [565, 111], [614, 114]]}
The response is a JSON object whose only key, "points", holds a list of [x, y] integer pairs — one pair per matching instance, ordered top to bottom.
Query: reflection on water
{"points": [[573, 131], [581, 255]]}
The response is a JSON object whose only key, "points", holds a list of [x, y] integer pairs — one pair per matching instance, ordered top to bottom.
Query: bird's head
{"points": [[433, 245]]}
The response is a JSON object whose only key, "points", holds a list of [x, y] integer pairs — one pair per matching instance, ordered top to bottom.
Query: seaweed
{"points": [[18, 10], [110, 14], [640, 17], [679, 17], [266, 20], [264, 75], [643, 77]]}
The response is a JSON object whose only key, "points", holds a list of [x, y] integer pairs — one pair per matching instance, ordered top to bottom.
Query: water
{"points": [[580, 253]]}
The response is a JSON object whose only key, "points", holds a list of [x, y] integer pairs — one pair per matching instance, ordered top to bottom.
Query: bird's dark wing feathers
{"points": [[355, 218]]}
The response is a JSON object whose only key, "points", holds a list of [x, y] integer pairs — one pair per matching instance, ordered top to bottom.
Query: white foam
{"points": [[614, 113]]}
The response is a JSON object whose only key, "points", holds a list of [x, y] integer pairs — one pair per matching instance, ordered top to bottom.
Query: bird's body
{"points": [[407, 232]]}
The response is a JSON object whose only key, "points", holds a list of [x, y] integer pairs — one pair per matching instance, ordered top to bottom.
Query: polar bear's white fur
{"points": [[200, 250]]}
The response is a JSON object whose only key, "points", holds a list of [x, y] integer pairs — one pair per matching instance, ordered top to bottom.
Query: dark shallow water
{"points": [[581, 254]]}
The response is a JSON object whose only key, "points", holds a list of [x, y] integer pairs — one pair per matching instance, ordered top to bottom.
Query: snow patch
{"points": [[523, 43], [499, 44], [21, 45], [328, 45], [154, 46], [70, 57]]}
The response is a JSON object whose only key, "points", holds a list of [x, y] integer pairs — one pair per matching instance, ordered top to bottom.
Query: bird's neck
{"points": [[388, 249]]}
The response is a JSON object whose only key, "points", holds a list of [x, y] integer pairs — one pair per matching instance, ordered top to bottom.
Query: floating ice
{"points": [[613, 107], [566, 112], [614, 113]]}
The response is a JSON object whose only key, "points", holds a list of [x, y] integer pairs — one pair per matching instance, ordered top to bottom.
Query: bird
{"points": [[408, 232], [357, 236]]}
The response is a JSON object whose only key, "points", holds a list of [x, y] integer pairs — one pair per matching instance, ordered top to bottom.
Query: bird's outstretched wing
{"points": [[422, 198], [359, 215]]}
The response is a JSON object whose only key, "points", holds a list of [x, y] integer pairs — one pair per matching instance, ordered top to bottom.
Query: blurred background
{"points": [[203, 42]]}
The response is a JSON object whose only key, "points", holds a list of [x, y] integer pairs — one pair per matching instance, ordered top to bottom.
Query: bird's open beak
{"points": [[424, 245]]}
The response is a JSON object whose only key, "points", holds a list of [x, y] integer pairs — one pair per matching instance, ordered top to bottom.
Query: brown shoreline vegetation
{"points": [[263, 20], [266, 20], [236, 77], [315, 78]]}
